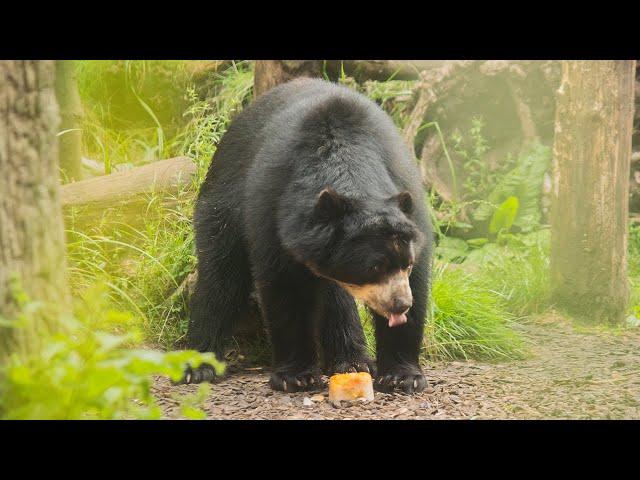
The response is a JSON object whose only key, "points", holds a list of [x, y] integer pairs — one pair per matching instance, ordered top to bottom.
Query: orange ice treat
{"points": [[350, 386]]}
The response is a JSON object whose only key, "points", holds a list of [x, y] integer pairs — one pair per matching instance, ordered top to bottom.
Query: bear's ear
{"points": [[405, 202], [330, 205]]}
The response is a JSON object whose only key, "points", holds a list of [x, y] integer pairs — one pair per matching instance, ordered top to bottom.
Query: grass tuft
{"points": [[468, 320]]}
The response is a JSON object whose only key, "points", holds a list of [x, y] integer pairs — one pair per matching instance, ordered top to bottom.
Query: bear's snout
{"points": [[391, 297], [400, 305]]}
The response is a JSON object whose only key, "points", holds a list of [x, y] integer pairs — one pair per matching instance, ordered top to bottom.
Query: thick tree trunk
{"points": [[70, 141], [592, 151], [32, 247]]}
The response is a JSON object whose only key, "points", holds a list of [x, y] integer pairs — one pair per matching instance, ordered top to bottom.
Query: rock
{"points": [[318, 398], [306, 401]]}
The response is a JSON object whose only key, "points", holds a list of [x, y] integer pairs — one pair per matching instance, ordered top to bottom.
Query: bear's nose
{"points": [[400, 305]]}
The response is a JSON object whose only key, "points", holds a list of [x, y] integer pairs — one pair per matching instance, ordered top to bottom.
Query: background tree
{"points": [[70, 142], [592, 151], [32, 248]]}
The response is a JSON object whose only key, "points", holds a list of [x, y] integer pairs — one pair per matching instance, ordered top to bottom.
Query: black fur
{"points": [[311, 184]]}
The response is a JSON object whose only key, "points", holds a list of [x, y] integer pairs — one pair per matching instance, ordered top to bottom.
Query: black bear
{"points": [[312, 199]]}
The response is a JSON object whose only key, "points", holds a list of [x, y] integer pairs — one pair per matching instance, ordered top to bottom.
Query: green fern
{"points": [[523, 182]]}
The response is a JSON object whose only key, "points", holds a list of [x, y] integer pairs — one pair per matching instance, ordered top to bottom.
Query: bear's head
{"points": [[367, 246]]}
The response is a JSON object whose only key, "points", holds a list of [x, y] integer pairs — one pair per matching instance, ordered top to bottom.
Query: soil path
{"points": [[572, 373]]}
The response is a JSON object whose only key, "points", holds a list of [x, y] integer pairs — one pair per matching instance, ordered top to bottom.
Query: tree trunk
{"points": [[269, 73], [69, 142], [592, 151], [32, 246]]}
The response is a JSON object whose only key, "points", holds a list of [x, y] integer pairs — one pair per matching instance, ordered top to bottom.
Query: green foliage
{"points": [[112, 90], [394, 96], [132, 109], [208, 119], [480, 176], [524, 182], [504, 216], [142, 267], [516, 267], [634, 269], [519, 270], [468, 320], [88, 370], [191, 404]]}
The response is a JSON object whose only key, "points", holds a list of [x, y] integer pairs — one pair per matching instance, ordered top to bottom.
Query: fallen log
{"points": [[125, 194]]}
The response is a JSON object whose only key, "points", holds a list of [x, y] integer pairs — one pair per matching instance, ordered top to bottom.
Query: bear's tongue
{"points": [[396, 319]]}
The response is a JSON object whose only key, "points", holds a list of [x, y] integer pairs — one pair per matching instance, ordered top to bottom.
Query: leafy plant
{"points": [[479, 174], [524, 182], [504, 216], [84, 370]]}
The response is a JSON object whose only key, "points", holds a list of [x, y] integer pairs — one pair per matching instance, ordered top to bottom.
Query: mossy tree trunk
{"points": [[70, 142], [592, 151], [32, 247]]}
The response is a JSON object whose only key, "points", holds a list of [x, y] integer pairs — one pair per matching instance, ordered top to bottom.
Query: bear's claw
{"points": [[204, 373], [286, 382], [412, 383]]}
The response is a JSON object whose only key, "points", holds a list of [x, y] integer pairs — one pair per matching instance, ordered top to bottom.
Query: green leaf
{"points": [[504, 216], [477, 242]]}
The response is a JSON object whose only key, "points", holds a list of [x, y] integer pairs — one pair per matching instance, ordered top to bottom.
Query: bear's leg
{"points": [[219, 301], [289, 311], [343, 344], [398, 348]]}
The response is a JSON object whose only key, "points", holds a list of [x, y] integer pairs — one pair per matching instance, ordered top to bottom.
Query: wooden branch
{"points": [[425, 98]]}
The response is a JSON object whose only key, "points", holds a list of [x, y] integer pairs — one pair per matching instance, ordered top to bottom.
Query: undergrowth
{"points": [[91, 367]]}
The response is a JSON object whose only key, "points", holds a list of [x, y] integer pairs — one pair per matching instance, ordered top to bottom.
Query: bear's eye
{"points": [[379, 267]]}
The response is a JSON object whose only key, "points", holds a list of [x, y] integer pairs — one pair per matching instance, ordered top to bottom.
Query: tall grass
{"points": [[520, 273], [468, 320]]}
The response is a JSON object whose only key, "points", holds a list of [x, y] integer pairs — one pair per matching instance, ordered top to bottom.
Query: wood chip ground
{"points": [[572, 373]]}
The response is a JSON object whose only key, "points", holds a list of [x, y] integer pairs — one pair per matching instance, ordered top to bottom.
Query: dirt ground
{"points": [[573, 373]]}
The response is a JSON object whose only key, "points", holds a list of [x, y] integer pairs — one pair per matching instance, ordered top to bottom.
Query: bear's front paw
{"points": [[364, 364], [204, 373], [294, 382], [408, 382]]}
